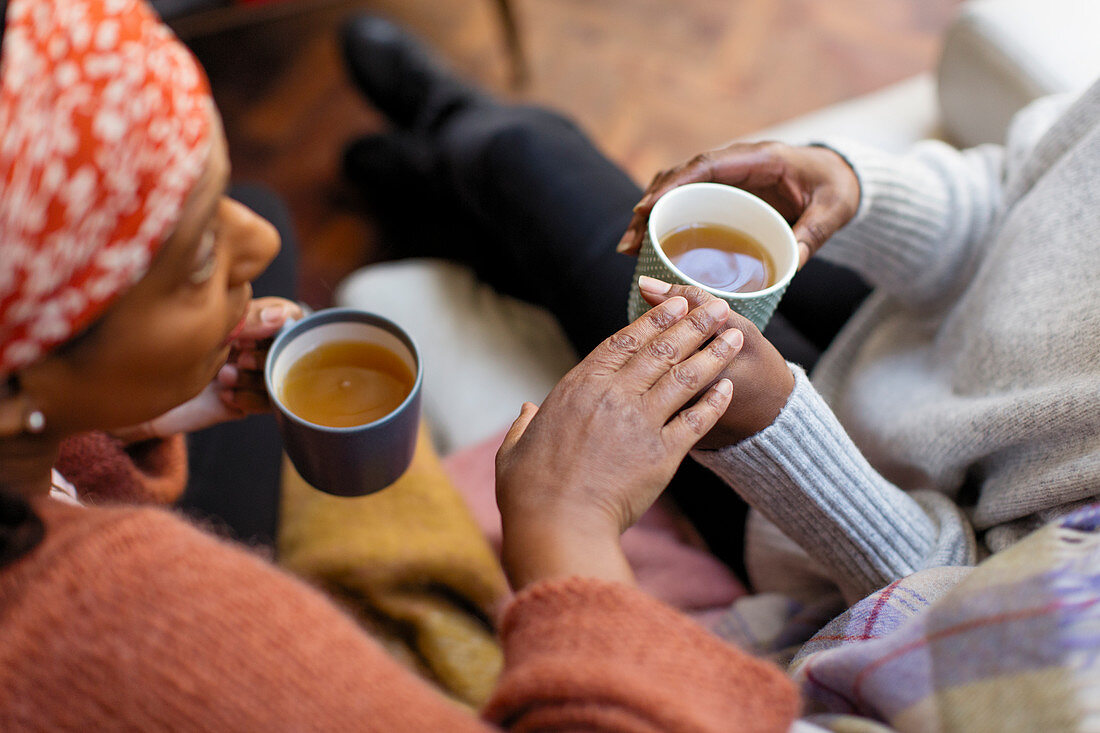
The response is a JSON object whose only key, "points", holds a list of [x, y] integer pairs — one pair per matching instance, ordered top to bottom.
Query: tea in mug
{"points": [[720, 257], [341, 384]]}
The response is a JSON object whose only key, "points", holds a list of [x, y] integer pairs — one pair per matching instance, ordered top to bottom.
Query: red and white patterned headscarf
{"points": [[104, 130]]}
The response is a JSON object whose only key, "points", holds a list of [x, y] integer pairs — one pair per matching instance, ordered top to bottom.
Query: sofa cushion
{"points": [[1000, 55], [890, 119]]}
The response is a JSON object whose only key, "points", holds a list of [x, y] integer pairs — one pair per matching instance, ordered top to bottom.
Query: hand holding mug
{"points": [[812, 187], [575, 473]]}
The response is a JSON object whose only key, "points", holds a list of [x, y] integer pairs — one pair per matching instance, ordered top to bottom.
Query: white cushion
{"points": [[1000, 55], [891, 119], [484, 354]]}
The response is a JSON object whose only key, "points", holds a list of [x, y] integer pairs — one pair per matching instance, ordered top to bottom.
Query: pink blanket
{"points": [[669, 560]]}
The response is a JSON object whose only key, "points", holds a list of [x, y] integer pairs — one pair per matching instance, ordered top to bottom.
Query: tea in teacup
{"points": [[718, 215], [720, 257], [341, 384], [345, 385]]}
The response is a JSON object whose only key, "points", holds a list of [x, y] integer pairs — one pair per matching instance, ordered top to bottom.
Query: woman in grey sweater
{"points": [[959, 408]]}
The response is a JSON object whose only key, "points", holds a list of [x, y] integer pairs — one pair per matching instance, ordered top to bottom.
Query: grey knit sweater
{"points": [[962, 400]]}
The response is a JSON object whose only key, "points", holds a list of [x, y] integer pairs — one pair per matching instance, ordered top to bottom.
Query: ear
{"points": [[14, 408]]}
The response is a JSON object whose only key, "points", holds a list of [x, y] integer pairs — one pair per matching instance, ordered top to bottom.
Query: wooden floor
{"points": [[653, 81]]}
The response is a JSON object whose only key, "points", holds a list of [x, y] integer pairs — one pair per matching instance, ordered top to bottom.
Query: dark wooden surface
{"points": [[653, 81]]}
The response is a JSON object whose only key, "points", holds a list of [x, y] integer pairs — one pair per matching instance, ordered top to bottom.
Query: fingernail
{"points": [[638, 206], [627, 240], [803, 253], [653, 285], [677, 306], [719, 310], [272, 314], [733, 337], [227, 375], [723, 386]]}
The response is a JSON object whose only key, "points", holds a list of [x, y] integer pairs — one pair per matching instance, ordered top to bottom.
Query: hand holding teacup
{"points": [[811, 187]]}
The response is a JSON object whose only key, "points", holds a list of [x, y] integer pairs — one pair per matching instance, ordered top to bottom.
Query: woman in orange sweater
{"points": [[125, 301]]}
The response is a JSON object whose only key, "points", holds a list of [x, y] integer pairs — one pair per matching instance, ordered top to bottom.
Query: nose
{"points": [[252, 240]]}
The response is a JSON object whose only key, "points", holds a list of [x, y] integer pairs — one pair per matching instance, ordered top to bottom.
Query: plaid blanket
{"points": [[1011, 644]]}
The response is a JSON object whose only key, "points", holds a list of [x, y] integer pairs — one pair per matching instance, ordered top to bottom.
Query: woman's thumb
{"points": [[526, 413]]}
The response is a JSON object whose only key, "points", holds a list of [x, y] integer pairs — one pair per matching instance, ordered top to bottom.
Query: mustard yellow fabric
{"points": [[410, 562]]}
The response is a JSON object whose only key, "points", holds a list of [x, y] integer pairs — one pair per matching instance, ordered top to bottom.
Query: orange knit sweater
{"points": [[129, 618]]}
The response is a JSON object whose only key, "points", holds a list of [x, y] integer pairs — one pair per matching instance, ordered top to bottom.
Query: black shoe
{"points": [[400, 76]]}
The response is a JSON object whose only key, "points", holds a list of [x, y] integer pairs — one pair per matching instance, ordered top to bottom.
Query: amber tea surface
{"points": [[720, 257], [346, 383]]}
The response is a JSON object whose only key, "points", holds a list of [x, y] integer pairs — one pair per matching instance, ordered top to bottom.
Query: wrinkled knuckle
{"points": [[770, 147], [703, 162], [818, 233], [696, 294], [661, 318], [701, 321], [623, 342], [661, 349], [719, 349], [686, 377], [715, 399], [695, 421]]}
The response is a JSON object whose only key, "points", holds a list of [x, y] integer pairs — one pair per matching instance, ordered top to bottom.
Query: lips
{"points": [[236, 330]]}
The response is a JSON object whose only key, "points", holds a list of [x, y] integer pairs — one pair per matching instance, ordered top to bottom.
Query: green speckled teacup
{"points": [[715, 203]]}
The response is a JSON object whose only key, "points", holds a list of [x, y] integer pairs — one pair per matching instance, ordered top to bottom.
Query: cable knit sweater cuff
{"points": [[898, 226], [807, 477]]}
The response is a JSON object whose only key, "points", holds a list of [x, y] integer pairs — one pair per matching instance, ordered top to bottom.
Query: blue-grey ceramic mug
{"points": [[356, 460]]}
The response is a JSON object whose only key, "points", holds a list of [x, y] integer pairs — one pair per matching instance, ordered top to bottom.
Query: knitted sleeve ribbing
{"points": [[922, 217], [807, 477]]}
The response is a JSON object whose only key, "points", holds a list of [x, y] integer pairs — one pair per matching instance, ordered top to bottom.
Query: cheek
{"points": [[176, 360]]}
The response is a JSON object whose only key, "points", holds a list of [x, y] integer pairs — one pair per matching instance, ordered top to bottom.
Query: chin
{"points": [[209, 373]]}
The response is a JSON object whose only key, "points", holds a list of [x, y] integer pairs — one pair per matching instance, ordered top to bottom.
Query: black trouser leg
{"points": [[553, 209], [235, 467]]}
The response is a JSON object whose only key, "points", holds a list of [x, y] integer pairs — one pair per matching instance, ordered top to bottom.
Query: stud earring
{"points": [[35, 422]]}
